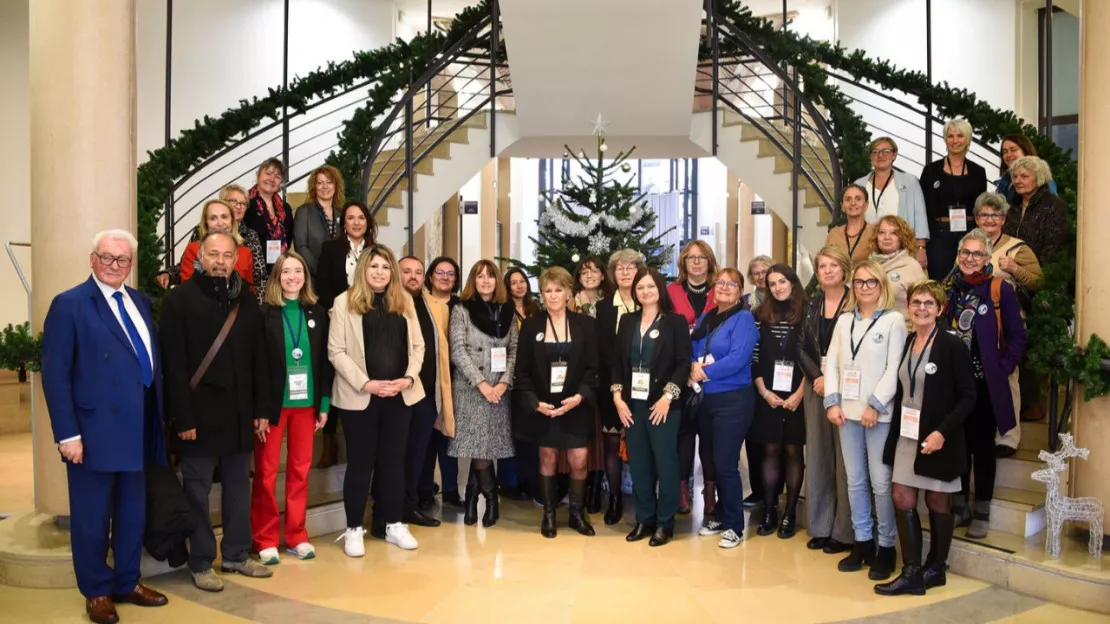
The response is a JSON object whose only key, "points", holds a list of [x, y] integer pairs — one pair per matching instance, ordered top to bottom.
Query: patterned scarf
{"points": [[275, 225], [962, 300]]}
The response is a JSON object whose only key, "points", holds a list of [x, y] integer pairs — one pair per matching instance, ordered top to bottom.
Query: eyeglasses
{"points": [[886, 151], [237, 203], [990, 216], [978, 255], [697, 258], [106, 260], [626, 269], [447, 274], [728, 283], [867, 283], [927, 304]]}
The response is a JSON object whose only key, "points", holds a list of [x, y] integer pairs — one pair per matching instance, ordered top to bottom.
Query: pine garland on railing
{"points": [[389, 68], [1052, 349]]}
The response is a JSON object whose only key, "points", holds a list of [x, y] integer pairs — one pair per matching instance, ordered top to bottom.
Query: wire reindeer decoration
{"points": [[1060, 508]]}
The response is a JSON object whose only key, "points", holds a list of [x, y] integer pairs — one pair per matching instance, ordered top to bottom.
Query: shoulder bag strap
{"points": [[996, 302], [216, 344]]}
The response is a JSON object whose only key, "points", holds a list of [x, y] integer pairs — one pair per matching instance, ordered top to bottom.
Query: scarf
{"points": [[275, 225], [331, 225], [883, 259], [231, 287], [962, 300], [486, 318], [712, 320]]}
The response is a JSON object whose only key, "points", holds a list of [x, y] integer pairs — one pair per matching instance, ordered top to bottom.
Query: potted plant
{"points": [[19, 350]]}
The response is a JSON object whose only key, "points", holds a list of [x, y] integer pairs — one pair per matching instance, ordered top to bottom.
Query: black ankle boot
{"points": [[487, 485], [595, 491], [548, 496], [470, 505], [616, 508], [961, 510], [579, 519], [770, 522], [940, 542], [863, 553], [883, 565], [912, 579]]}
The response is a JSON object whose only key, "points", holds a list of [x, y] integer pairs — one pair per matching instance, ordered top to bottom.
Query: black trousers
{"points": [[421, 425], [979, 429], [377, 438], [235, 507]]}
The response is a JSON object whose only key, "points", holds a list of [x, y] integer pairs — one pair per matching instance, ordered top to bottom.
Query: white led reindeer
{"points": [[1060, 508]]}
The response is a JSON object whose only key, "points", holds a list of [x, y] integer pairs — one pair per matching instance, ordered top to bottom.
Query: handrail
{"points": [[30, 327]]}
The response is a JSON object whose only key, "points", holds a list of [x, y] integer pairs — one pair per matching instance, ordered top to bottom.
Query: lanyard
{"points": [[958, 186], [878, 197], [848, 240], [495, 316], [295, 337], [856, 345], [560, 346], [641, 349], [912, 367]]}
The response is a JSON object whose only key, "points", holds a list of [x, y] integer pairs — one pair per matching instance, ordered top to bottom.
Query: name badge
{"points": [[957, 219], [273, 251], [498, 358], [707, 359], [784, 376], [558, 377], [852, 378], [298, 383], [641, 383], [911, 422]]}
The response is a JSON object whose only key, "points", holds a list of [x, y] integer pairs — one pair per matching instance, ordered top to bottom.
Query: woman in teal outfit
{"points": [[651, 364]]}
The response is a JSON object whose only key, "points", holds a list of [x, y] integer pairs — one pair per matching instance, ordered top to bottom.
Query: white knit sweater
{"points": [[878, 357]]}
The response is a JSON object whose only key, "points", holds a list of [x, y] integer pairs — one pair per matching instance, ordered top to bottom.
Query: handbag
{"points": [[215, 348]]}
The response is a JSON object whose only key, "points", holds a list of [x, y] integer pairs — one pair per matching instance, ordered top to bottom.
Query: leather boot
{"points": [[329, 451], [487, 485], [594, 491], [684, 496], [549, 497], [709, 497], [470, 505], [616, 508], [579, 519], [980, 520], [770, 522], [940, 542], [863, 554], [883, 565], [912, 579]]}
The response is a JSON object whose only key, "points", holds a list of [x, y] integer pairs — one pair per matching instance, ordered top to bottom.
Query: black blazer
{"points": [[331, 272], [316, 321], [605, 321], [811, 334], [670, 360], [532, 374], [949, 398]]}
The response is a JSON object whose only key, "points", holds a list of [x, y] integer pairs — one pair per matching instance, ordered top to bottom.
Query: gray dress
{"points": [[482, 430], [906, 452]]}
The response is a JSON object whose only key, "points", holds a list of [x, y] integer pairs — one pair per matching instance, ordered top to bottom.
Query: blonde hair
{"points": [[964, 127], [879, 141], [331, 173], [225, 193], [202, 229], [906, 236], [837, 255], [711, 260], [766, 261], [557, 275], [470, 291], [886, 293], [275, 296], [360, 297]]}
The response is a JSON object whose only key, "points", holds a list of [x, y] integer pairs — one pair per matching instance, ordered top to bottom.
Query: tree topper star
{"points": [[600, 126]]}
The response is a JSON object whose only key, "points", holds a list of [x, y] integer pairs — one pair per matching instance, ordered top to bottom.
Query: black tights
{"points": [[613, 462], [772, 475], [905, 499]]}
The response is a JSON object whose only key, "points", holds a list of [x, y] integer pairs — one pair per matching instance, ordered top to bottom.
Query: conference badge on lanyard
{"points": [[957, 219], [273, 251], [498, 359], [558, 376], [784, 376], [852, 379], [298, 383], [641, 384], [911, 422]]}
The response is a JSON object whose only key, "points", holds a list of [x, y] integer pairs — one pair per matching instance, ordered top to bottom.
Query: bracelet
{"points": [[616, 388], [672, 391]]}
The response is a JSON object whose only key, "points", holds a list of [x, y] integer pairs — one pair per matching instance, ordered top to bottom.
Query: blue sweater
{"points": [[731, 349]]}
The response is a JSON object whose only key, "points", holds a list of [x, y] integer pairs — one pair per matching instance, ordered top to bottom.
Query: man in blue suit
{"points": [[102, 380]]}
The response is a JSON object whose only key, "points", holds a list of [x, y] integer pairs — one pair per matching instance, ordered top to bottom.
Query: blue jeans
{"points": [[729, 415], [863, 461]]}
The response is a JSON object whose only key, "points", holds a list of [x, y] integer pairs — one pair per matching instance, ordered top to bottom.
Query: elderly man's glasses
{"points": [[106, 260]]}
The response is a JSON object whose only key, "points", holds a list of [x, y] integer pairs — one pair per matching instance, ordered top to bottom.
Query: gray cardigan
{"points": [[911, 201], [309, 233]]}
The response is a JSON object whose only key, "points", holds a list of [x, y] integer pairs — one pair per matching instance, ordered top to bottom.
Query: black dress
{"points": [[778, 342]]}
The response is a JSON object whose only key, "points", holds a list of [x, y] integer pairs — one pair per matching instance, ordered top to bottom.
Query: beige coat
{"points": [[903, 270], [1028, 271], [441, 318], [347, 352]]}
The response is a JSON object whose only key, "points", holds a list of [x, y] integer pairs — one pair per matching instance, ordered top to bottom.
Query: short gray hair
{"points": [[964, 127], [1035, 165], [225, 192], [991, 200], [213, 233], [116, 234], [980, 236], [628, 256], [767, 261]]}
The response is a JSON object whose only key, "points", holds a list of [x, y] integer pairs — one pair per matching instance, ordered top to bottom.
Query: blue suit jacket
{"points": [[93, 384]]}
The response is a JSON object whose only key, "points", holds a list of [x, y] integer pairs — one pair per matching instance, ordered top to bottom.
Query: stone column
{"points": [[82, 66], [1092, 420]]}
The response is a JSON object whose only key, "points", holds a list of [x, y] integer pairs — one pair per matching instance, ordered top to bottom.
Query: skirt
{"points": [[778, 425], [904, 456]]}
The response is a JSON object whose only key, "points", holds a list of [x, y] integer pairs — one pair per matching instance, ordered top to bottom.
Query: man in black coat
{"points": [[213, 411]]}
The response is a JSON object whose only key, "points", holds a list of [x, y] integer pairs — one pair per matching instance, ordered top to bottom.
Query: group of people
{"points": [[883, 383]]}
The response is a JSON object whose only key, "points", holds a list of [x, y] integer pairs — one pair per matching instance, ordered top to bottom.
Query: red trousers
{"points": [[265, 518]]}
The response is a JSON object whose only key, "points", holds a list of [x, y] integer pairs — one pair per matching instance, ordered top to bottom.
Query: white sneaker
{"points": [[711, 527], [398, 534], [729, 539], [352, 542], [304, 550], [268, 556]]}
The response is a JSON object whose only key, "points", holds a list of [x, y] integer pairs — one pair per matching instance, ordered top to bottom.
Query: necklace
{"points": [[697, 290]]}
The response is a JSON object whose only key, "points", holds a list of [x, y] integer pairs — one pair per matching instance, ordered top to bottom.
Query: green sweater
{"points": [[294, 322]]}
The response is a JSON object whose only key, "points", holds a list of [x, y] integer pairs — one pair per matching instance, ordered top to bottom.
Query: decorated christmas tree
{"points": [[596, 214]]}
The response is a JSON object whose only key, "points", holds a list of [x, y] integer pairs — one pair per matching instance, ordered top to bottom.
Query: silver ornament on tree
{"points": [[604, 148], [626, 167], [593, 197], [575, 258]]}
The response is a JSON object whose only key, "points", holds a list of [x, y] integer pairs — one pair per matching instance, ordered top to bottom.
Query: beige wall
{"points": [[15, 149]]}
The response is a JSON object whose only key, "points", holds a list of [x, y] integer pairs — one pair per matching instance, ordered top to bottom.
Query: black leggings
{"points": [[979, 429], [687, 441], [613, 463], [795, 469], [905, 499]]}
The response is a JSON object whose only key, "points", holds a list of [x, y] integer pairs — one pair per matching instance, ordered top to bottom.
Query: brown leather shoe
{"points": [[143, 596], [101, 610]]}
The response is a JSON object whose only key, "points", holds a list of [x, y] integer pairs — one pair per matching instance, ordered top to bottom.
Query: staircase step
{"points": [[1034, 435], [1014, 472]]}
